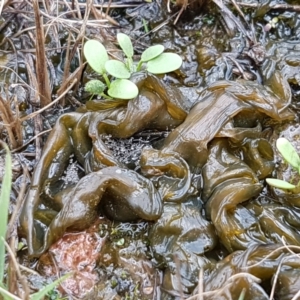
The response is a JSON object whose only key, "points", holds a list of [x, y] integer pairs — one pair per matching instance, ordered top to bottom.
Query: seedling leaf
{"points": [[125, 44], [152, 52], [96, 55], [164, 63], [117, 69], [95, 87], [123, 89], [288, 152], [281, 184], [4, 204]]}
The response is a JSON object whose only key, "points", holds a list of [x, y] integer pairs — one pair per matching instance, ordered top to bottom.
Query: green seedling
{"points": [[272, 24], [156, 61], [291, 156], [4, 201]]}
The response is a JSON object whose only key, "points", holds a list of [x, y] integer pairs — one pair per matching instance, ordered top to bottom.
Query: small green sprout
{"points": [[272, 24], [121, 87], [291, 156]]}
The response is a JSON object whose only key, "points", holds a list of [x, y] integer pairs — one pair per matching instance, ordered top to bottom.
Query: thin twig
{"points": [[105, 5], [108, 8], [295, 8], [70, 9], [78, 10], [239, 10], [100, 15], [12, 16], [159, 26], [67, 66], [75, 75], [33, 92], [50, 104], [6, 115], [38, 125], [18, 126], [30, 141], [20, 200], [271, 254], [177, 263], [17, 269], [29, 270], [12, 279], [231, 280], [275, 280], [200, 285], [296, 297]]}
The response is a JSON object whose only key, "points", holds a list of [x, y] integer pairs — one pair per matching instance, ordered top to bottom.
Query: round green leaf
{"points": [[125, 44], [152, 52], [96, 55], [164, 63], [117, 69], [95, 87], [123, 89], [288, 152], [280, 184]]}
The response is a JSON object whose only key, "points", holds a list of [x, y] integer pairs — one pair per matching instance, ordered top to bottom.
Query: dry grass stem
{"points": [[2, 5], [46, 5], [106, 5], [183, 5], [289, 7], [108, 8], [70, 9], [239, 10], [79, 15], [99, 15], [11, 16], [55, 20], [70, 22], [155, 29], [20, 32], [41, 61], [66, 68], [75, 75], [19, 78], [67, 78], [33, 98], [50, 104], [11, 122], [17, 124], [38, 126], [30, 141], [13, 221], [287, 247], [278, 250], [177, 263], [31, 271], [22, 279], [275, 279], [12, 280], [231, 281], [200, 285], [5, 292], [296, 297]]}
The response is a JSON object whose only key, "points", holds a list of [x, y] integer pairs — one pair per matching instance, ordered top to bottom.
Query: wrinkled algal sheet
{"points": [[221, 136]]}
